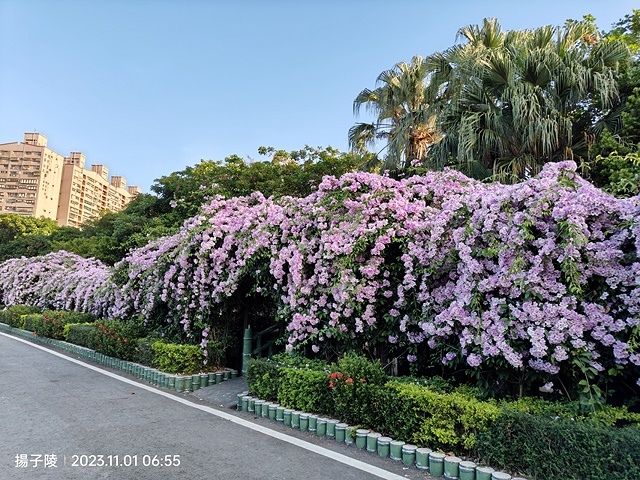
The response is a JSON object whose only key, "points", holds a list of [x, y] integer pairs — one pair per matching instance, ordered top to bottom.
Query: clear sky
{"points": [[148, 87]]}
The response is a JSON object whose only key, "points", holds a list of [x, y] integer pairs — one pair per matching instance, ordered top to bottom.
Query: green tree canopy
{"points": [[627, 30], [508, 102], [399, 105], [616, 166], [295, 173], [13, 226], [25, 236], [111, 236]]}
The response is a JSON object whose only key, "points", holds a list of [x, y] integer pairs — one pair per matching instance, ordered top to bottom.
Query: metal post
{"points": [[247, 346], [258, 346]]}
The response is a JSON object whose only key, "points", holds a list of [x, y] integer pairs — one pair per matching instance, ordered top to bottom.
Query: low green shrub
{"points": [[14, 315], [31, 322], [51, 323], [80, 334], [116, 338], [174, 358], [287, 359], [362, 369], [264, 374], [350, 374], [263, 378], [435, 383], [304, 390], [357, 391], [374, 407], [605, 415], [449, 421], [539, 438], [542, 448]]}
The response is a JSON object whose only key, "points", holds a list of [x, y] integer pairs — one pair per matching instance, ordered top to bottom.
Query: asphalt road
{"points": [[63, 418]]}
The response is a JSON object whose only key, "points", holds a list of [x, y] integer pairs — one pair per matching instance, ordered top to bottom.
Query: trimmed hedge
{"points": [[14, 316], [30, 322], [51, 323], [80, 334], [116, 339], [119, 340], [173, 358], [264, 374], [263, 377], [304, 390], [358, 392], [441, 420], [502, 434], [544, 448]]}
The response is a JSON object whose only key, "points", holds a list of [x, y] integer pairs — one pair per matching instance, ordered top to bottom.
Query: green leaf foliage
{"points": [[295, 173], [617, 174], [25, 236], [14, 316], [53, 323], [80, 334], [116, 339], [181, 359], [264, 375], [262, 378], [305, 390], [456, 419], [448, 421], [543, 447]]}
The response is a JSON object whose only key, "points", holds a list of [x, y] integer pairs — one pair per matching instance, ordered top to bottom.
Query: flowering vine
{"points": [[527, 276]]}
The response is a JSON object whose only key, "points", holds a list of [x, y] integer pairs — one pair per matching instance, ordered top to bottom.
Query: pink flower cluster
{"points": [[531, 273], [59, 280]]}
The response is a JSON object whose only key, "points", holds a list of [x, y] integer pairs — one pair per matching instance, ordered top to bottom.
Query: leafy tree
{"points": [[627, 30], [508, 102], [399, 104], [624, 136], [615, 166], [295, 173], [618, 174], [13, 225], [25, 236], [111, 236], [25, 246]]}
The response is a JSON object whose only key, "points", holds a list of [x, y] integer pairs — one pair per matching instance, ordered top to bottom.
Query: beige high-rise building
{"points": [[30, 177], [38, 182]]}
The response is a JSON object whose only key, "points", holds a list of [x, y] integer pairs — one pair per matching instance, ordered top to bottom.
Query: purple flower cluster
{"points": [[531, 274], [59, 280]]}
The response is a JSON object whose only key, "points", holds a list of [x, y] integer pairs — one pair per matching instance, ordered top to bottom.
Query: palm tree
{"points": [[508, 102], [399, 104]]}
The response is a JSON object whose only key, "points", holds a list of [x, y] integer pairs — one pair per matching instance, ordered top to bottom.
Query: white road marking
{"points": [[365, 467]]}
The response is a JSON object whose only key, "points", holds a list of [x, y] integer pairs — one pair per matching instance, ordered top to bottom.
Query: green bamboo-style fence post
{"points": [[247, 348]]}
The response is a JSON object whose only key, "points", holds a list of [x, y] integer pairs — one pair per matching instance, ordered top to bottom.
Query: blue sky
{"points": [[148, 87]]}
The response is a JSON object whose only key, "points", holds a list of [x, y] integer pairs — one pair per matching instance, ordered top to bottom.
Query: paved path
{"points": [[57, 409]]}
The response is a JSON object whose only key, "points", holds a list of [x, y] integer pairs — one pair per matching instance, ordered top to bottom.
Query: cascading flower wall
{"points": [[527, 277], [59, 280]]}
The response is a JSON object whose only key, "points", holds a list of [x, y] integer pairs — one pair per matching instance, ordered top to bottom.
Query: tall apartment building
{"points": [[36, 181], [85, 193]]}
